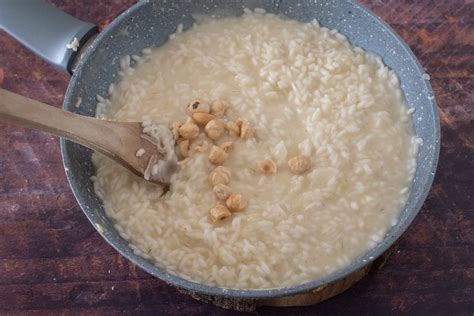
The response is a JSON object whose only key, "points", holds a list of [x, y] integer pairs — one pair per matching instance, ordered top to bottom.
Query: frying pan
{"points": [[47, 31]]}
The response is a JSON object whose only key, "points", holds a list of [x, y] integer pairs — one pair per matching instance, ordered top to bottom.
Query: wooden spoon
{"points": [[117, 140]]}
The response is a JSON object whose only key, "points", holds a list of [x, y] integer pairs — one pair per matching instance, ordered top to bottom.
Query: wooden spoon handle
{"points": [[90, 132], [117, 140]]}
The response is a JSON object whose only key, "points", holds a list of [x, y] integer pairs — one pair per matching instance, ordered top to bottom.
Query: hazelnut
{"points": [[198, 106], [219, 107], [202, 118], [239, 122], [233, 128], [214, 129], [175, 130], [189, 130], [247, 131], [200, 146], [227, 146], [184, 148], [217, 155], [299, 164], [267, 166], [220, 175], [221, 191], [236, 202], [219, 212]]}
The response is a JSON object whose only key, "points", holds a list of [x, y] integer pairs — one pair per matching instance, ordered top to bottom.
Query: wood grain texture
{"points": [[53, 261]]}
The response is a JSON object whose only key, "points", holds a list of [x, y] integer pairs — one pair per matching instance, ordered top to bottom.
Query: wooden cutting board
{"points": [[53, 261]]}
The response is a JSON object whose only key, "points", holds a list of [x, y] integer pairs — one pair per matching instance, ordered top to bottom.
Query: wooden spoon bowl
{"points": [[119, 141]]}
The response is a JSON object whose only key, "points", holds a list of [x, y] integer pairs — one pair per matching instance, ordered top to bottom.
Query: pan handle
{"points": [[45, 30]]}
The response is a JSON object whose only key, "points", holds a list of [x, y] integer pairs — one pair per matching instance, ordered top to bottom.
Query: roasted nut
{"points": [[198, 106], [219, 107], [202, 118], [239, 122], [233, 128], [214, 129], [175, 130], [189, 130], [247, 131], [200, 146], [227, 146], [184, 148], [217, 155], [299, 164], [267, 166], [220, 175], [222, 191], [236, 202], [219, 212]]}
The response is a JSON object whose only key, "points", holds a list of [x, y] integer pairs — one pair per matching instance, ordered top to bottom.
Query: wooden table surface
{"points": [[52, 259]]}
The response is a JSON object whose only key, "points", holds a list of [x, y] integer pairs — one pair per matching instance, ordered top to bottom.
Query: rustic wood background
{"points": [[52, 259]]}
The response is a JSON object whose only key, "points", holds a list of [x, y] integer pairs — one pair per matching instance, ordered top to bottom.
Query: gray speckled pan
{"points": [[148, 24]]}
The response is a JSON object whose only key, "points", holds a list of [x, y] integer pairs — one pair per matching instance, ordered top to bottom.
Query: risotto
{"points": [[306, 93]]}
